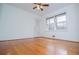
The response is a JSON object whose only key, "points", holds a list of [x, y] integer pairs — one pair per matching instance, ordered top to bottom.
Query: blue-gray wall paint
{"points": [[16, 23], [72, 31]]}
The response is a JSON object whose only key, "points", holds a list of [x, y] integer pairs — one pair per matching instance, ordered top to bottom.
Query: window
{"points": [[61, 21], [58, 22], [50, 23]]}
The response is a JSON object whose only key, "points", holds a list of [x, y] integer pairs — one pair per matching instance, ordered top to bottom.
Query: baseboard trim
{"points": [[39, 37], [16, 39], [58, 39]]}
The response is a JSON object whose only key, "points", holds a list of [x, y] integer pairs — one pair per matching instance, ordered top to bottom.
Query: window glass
{"points": [[61, 18], [51, 20], [61, 21], [50, 23]]}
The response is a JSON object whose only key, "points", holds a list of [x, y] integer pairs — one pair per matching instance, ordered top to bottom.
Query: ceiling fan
{"points": [[40, 6]]}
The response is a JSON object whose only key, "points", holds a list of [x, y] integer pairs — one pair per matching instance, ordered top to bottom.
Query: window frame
{"points": [[55, 22]]}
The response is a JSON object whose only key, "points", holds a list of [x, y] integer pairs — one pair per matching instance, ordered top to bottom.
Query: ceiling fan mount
{"points": [[40, 6]]}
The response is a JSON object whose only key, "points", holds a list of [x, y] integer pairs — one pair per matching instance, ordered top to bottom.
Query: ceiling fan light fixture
{"points": [[41, 6], [38, 7]]}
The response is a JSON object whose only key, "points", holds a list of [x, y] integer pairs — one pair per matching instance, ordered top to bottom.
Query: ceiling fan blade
{"points": [[34, 3], [37, 3], [45, 5], [34, 7]]}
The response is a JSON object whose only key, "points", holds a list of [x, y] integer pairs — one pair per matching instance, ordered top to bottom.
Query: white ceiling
{"points": [[29, 7]]}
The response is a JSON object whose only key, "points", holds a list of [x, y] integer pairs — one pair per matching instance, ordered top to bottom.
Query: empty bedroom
{"points": [[39, 29]]}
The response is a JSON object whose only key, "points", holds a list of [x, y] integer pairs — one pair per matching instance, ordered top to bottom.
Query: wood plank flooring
{"points": [[38, 46]]}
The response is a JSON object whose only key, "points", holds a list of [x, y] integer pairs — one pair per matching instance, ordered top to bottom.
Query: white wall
{"points": [[16, 23], [72, 32]]}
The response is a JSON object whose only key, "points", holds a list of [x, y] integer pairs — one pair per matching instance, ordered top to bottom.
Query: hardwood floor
{"points": [[39, 46]]}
